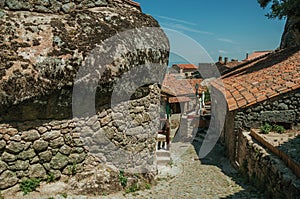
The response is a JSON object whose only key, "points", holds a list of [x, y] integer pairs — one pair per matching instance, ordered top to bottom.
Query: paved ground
{"points": [[212, 177]]}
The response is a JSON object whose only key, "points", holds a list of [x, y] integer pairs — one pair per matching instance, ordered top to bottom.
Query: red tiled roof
{"points": [[257, 54], [187, 66], [262, 79], [193, 83], [180, 87], [173, 100]]}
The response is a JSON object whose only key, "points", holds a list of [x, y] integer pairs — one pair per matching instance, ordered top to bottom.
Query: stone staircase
{"points": [[163, 154], [163, 157]]}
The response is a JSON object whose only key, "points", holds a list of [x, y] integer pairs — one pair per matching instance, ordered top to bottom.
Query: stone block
{"points": [[30, 135], [51, 135], [40, 145], [8, 179]]}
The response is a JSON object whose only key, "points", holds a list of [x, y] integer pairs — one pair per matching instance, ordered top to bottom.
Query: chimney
{"points": [[220, 59], [225, 60]]}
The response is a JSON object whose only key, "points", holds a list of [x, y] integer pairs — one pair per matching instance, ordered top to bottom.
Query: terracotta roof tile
{"points": [[257, 54], [187, 66], [264, 78], [180, 87]]}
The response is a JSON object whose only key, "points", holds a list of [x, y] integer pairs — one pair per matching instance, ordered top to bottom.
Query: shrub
{"points": [[266, 128], [278, 128], [72, 169], [50, 177], [123, 179], [29, 185], [148, 186], [132, 188], [64, 195]]}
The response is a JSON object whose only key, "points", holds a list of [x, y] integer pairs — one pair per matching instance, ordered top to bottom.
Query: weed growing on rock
{"points": [[266, 128], [278, 129], [72, 169], [50, 178], [123, 179], [29, 185], [132, 188], [64, 195]]}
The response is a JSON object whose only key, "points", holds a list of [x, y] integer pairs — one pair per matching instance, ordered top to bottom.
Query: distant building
{"points": [[257, 54], [224, 65], [185, 69], [181, 93]]}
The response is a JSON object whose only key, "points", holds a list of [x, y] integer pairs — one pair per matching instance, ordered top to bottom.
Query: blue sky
{"points": [[229, 28]]}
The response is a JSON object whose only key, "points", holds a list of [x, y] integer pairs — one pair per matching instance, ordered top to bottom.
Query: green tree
{"points": [[281, 8]]}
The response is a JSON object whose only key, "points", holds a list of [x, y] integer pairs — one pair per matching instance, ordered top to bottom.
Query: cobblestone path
{"points": [[212, 177]]}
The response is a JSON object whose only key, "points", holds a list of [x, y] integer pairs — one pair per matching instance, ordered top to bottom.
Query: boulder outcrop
{"points": [[52, 51]]}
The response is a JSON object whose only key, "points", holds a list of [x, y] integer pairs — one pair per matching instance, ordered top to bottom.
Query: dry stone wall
{"points": [[283, 110], [63, 148], [265, 170]]}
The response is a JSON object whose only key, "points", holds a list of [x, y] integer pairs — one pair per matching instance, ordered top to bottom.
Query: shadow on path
{"points": [[217, 157]]}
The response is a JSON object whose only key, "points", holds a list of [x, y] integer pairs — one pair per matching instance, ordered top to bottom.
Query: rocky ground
{"points": [[187, 177]]}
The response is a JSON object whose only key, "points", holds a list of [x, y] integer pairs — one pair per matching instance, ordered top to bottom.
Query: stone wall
{"points": [[284, 110], [122, 138], [265, 170]]}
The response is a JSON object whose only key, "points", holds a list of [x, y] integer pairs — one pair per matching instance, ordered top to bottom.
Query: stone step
{"points": [[163, 153], [163, 161]]}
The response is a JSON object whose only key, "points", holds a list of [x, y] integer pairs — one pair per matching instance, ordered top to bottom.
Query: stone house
{"points": [[185, 69], [263, 90]]}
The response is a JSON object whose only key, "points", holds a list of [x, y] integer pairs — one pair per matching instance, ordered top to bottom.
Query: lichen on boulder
{"points": [[41, 53]]}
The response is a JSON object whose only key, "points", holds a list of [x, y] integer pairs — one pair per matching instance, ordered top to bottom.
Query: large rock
{"points": [[55, 6], [291, 34], [41, 53], [26, 155]]}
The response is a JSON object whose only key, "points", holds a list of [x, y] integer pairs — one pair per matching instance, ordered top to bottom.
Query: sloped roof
{"points": [[257, 54], [187, 66], [265, 78], [180, 87]]}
